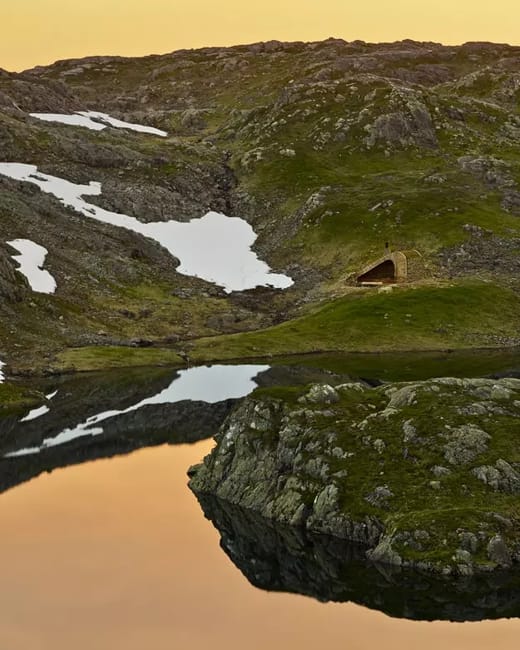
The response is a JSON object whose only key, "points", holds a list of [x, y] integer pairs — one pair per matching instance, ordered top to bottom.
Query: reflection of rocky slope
{"points": [[297, 375], [80, 398], [172, 424], [426, 474], [279, 558]]}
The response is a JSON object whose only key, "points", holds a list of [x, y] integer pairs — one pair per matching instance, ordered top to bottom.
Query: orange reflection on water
{"points": [[116, 554]]}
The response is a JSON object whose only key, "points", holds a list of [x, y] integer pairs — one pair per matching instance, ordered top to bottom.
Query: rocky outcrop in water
{"points": [[424, 474]]}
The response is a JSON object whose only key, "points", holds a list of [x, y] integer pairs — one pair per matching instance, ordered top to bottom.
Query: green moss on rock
{"points": [[403, 468]]}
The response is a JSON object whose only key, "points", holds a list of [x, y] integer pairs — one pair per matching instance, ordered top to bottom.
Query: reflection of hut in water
{"points": [[393, 268]]}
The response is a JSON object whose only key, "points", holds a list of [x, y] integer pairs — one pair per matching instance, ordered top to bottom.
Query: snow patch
{"points": [[71, 120], [96, 121], [215, 247], [31, 260], [209, 384], [38, 412]]}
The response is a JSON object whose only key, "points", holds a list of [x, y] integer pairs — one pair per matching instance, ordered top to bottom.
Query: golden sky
{"points": [[36, 32]]}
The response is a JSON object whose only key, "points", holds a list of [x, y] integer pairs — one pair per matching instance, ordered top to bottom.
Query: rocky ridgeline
{"points": [[389, 95], [424, 474]]}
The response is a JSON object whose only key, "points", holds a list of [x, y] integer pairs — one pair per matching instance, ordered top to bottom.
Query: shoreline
{"points": [[189, 362]]}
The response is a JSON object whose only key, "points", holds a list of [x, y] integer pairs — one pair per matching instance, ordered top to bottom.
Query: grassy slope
{"points": [[269, 103], [428, 317], [423, 318], [101, 357]]}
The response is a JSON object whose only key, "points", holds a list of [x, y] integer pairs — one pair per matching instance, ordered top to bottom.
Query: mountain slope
{"points": [[328, 149]]}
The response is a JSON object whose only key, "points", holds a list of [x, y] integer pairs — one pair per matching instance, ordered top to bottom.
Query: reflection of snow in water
{"points": [[96, 121], [215, 248], [31, 260], [209, 384], [38, 412]]}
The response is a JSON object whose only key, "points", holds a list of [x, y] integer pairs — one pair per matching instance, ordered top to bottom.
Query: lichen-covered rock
{"points": [[413, 127], [321, 394], [402, 397], [464, 444], [347, 470], [501, 477], [379, 497], [469, 542], [498, 552], [385, 553]]}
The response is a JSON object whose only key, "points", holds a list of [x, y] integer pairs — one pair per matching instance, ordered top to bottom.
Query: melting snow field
{"points": [[96, 122], [215, 248], [31, 260], [209, 384]]}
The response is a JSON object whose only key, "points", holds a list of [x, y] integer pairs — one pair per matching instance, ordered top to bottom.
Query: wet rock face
{"points": [[409, 470]]}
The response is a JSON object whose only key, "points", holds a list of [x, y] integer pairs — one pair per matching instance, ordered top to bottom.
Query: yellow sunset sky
{"points": [[36, 32]]}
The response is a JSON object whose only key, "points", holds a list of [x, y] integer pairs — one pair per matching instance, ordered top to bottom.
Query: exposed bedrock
{"points": [[424, 474]]}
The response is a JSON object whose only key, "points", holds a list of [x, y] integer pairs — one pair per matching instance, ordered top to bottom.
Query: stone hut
{"points": [[393, 268]]}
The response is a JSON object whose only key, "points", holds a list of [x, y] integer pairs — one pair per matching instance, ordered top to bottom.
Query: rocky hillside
{"points": [[328, 149], [418, 485]]}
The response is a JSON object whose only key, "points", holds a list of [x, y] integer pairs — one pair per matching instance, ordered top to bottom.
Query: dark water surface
{"points": [[117, 553]]}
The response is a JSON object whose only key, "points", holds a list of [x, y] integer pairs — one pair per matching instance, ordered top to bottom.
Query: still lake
{"points": [[112, 550]]}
